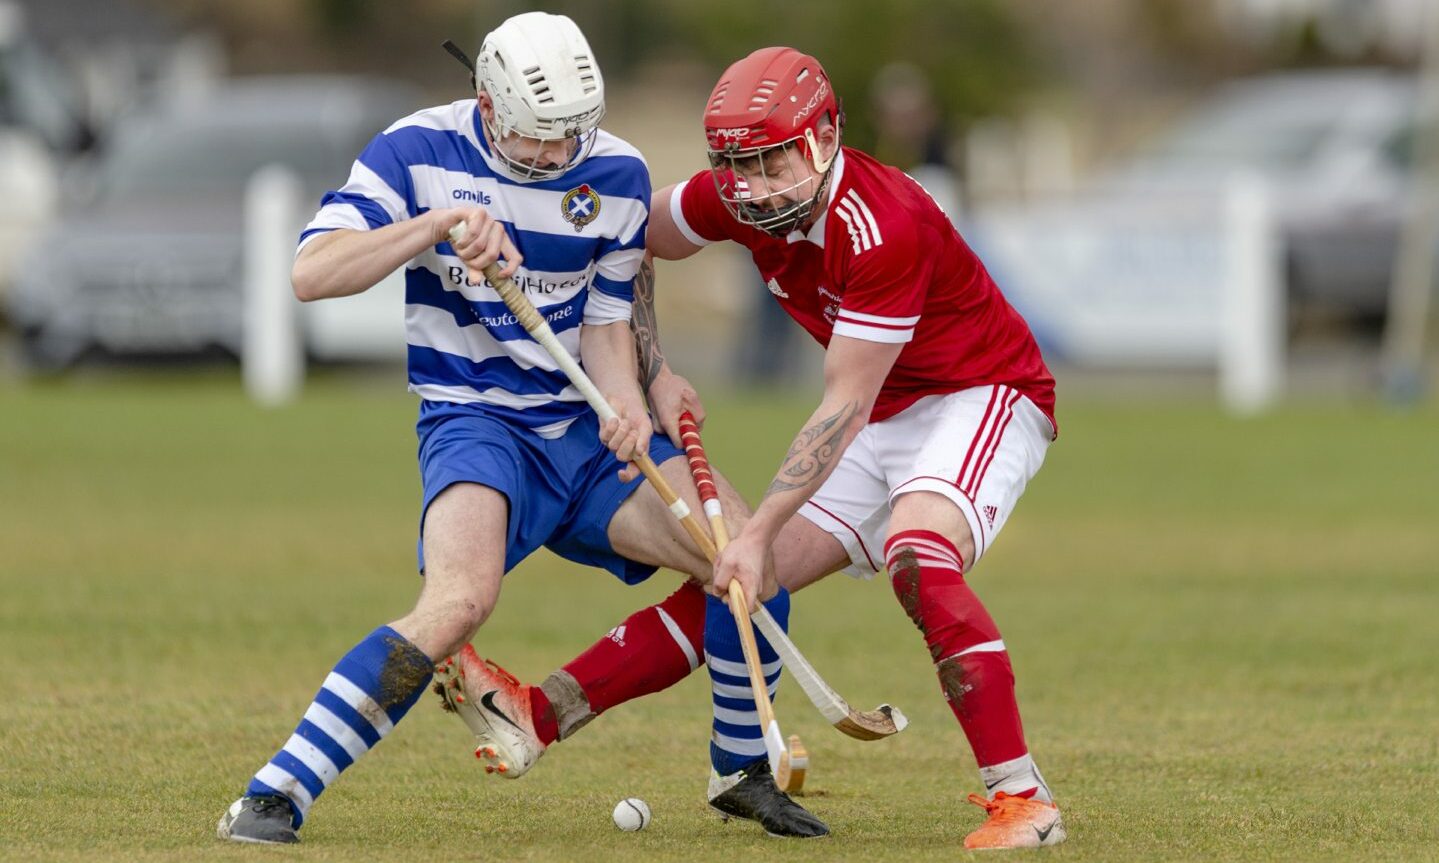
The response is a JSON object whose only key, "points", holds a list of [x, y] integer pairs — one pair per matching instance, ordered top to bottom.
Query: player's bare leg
{"points": [[929, 547], [804, 553], [651, 650], [374, 685], [490, 704]]}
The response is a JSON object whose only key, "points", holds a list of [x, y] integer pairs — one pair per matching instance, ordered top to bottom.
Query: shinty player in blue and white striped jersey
{"points": [[511, 456]]}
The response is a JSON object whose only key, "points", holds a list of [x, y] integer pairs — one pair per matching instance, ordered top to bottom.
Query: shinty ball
{"points": [[632, 814]]}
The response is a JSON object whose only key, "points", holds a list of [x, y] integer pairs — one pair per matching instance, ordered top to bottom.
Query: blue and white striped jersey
{"points": [[582, 236]]}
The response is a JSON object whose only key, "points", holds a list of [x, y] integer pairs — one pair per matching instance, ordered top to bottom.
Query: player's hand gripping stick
{"points": [[529, 318]]}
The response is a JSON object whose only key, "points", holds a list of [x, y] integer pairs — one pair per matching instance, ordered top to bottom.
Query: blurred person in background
{"points": [[910, 132], [937, 411], [511, 455]]}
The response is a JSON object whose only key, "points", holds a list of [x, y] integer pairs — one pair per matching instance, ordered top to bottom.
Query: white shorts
{"points": [[978, 447]]}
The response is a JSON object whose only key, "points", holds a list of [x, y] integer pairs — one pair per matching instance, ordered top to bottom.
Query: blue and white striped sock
{"points": [[370, 690], [737, 739]]}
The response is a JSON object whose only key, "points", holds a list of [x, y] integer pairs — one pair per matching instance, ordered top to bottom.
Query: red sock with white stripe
{"points": [[927, 575], [653, 649]]}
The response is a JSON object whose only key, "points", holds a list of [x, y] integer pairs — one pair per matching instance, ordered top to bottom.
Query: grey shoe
{"points": [[752, 794], [264, 819]]}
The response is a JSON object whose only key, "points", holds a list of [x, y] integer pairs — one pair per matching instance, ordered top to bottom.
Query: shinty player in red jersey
{"points": [[937, 406]]}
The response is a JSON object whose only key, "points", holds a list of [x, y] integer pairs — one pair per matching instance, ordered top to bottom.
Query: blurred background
{"points": [[1233, 197], [1218, 216]]}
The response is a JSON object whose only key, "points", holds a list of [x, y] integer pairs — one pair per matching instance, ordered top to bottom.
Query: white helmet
{"points": [[541, 75]]}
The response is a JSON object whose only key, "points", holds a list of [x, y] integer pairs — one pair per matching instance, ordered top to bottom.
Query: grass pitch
{"points": [[1224, 633]]}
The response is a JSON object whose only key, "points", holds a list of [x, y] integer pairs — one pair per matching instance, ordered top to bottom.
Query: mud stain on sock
{"points": [[905, 578], [406, 670], [954, 681]]}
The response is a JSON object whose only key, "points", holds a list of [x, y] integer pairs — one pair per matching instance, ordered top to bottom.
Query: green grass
{"points": [[1225, 635]]}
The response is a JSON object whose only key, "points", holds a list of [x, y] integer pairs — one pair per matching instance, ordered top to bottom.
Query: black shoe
{"points": [[757, 798], [264, 819]]}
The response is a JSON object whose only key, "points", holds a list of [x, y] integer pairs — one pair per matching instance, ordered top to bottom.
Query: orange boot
{"points": [[1016, 822]]}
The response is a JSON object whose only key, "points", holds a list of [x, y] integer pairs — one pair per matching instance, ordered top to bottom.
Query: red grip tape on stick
{"points": [[699, 462]]}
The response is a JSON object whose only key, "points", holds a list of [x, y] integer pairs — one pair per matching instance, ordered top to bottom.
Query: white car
{"points": [[38, 120], [1333, 148], [28, 195], [151, 264], [1130, 270]]}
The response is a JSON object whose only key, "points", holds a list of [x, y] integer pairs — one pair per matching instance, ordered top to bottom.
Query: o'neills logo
{"points": [[813, 101], [580, 206]]}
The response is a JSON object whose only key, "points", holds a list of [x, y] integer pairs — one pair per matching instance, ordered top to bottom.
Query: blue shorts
{"points": [[562, 492]]}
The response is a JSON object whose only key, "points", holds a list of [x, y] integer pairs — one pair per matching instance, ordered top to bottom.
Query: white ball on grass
{"points": [[632, 814]]}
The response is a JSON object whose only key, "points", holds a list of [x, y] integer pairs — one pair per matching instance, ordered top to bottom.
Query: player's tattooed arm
{"points": [[646, 326], [814, 452]]}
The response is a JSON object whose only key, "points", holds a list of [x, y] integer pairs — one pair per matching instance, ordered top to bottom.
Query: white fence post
{"points": [[1253, 326], [272, 357]]}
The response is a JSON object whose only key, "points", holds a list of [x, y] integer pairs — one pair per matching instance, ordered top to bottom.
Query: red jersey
{"points": [[884, 263]]}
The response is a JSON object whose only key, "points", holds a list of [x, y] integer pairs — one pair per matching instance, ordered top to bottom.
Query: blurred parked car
{"points": [[39, 121], [1333, 149], [150, 261], [1131, 270]]}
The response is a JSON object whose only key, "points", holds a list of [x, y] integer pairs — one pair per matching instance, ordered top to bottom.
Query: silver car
{"points": [[1333, 147], [150, 262]]}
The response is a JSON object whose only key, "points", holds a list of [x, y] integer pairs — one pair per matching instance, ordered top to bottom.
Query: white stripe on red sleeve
{"points": [[852, 195], [677, 212], [859, 241], [865, 318], [875, 328]]}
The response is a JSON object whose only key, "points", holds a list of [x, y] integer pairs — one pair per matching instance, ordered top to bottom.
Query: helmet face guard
{"points": [[506, 140], [767, 187]]}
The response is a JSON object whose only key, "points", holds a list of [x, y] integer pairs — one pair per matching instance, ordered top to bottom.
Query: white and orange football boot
{"points": [[496, 707], [1016, 822]]}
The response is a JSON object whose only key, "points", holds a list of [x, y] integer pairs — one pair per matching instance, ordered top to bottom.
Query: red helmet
{"points": [[769, 97], [775, 97]]}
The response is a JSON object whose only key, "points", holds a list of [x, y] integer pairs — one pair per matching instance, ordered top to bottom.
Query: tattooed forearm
{"points": [[645, 326], [813, 452]]}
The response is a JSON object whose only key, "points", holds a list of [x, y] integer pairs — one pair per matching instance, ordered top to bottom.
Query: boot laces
{"points": [[503, 674], [264, 803], [1003, 809]]}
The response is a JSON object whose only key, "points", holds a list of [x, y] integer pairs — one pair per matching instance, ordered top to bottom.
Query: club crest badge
{"points": [[580, 206]]}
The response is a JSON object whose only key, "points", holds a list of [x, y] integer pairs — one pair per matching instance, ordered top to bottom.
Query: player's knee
{"points": [[734, 506], [931, 511], [468, 613], [453, 619], [458, 626]]}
